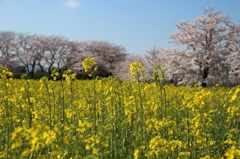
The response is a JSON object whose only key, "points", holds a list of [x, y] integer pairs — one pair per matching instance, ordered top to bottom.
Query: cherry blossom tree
{"points": [[7, 44], [73, 50], [25, 51], [45, 51], [55, 51], [28, 52], [211, 53], [106, 54], [234, 57], [151, 59], [122, 68]]}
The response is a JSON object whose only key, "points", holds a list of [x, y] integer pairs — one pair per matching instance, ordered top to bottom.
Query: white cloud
{"points": [[72, 4]]}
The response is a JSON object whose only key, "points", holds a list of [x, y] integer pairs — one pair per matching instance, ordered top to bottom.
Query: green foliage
{"points": [[19, 69], [39, 70], [17, 75], [38, 75]]}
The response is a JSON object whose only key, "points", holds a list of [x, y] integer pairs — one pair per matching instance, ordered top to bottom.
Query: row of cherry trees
{"points": [[51, 52], [211, 54]]}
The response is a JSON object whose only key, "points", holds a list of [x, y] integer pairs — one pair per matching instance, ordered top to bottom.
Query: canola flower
{"points": [[89, 65], [136, 71], [4, 73], [158, 74], [116, 119]]}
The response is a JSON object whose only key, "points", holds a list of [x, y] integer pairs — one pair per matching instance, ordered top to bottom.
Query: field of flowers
{"points": [[107, 118]]}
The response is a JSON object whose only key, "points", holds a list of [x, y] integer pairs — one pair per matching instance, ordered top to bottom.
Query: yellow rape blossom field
{"points": [[107, 118]]}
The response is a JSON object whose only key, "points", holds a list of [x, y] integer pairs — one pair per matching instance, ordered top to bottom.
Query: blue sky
{"points": [[137, 25]]}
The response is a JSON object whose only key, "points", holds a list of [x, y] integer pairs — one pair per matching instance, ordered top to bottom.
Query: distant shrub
{"points": [[17, 75], [38, 75]]}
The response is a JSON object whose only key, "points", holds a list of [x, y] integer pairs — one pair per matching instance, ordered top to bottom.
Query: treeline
{"points": [[24, 52], [211, 54]]}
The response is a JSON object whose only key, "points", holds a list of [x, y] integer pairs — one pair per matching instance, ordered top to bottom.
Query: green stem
{"points": [[63, 102], [48, 103], [30, 107]]}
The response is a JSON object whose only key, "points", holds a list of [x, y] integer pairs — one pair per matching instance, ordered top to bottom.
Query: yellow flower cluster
{"points": [[89, 65], [136, 71], [4, 73], [69, 76], [35, 138], [233, 153]]}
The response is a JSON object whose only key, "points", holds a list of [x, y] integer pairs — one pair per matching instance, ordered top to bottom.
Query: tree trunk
{"points": [[41, 67], [32, 71], [205, 75]]}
